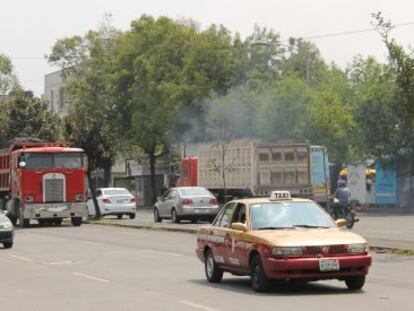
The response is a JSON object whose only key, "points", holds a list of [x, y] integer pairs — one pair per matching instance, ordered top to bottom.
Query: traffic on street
{"points": [[206, 155], [108, 268]]}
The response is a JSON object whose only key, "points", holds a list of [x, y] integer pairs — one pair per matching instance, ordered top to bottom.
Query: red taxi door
{"points": [[217, 235], [235, 254]]}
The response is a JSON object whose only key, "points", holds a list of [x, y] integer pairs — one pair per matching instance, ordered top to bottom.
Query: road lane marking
{"points": [[163, 253], [21, 258], [87, 276], [195, 305]]}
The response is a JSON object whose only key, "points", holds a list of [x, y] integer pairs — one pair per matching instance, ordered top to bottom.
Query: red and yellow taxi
{"points": [[281, 238]]}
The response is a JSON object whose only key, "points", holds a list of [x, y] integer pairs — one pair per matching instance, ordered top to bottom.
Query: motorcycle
{"points": [[347, 212]]}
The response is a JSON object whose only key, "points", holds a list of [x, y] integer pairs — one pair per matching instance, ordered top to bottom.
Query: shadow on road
{"points": [[242, 285]]}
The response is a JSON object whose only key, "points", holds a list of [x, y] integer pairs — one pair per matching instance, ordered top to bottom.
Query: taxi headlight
{"points": [[358, 248], [287, 251]]}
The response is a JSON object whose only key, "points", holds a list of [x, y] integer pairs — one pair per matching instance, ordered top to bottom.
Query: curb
{"points": [[143, 227], [374, 248]]}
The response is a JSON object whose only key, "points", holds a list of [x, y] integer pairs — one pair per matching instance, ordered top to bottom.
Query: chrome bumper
{"points": [[55, 210]]}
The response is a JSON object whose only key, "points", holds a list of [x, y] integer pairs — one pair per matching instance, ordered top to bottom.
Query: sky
{"points": [[28, 29]]}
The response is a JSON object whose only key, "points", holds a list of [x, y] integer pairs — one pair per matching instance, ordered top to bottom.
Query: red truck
{"points": [[43, 181]]}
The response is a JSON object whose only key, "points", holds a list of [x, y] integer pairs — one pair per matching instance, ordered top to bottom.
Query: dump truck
{"points": [[253, 168], [43, 181]]}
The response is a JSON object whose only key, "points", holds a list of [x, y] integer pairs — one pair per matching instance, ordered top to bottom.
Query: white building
{"points": [[54, 94]]}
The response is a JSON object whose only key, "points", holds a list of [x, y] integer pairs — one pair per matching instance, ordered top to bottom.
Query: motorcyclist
{"points": [[343, 194]]}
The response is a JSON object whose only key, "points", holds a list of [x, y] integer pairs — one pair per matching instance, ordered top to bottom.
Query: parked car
{"points": [[114, 201], [191, 203], [6, 231]]}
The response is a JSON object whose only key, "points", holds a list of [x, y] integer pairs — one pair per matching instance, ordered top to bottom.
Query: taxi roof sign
{"points": [[280, 195]]}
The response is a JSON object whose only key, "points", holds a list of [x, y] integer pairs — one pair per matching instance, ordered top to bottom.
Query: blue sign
{"points": [[319, 168], [385, 185]]}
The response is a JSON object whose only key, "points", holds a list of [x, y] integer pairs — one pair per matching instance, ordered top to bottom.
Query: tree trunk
{"points": [[153, 160], [107, 175], [93, 192]]}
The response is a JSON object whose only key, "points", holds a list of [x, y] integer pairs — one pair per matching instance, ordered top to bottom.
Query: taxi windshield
{"points": [[280, 215]]}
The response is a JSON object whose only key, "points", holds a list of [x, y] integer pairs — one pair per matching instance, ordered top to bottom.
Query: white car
{"points": [[113, 201]]}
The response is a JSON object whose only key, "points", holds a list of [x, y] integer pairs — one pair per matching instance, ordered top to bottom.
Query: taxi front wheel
{"points": [[213, 273], [356, 282], [260, 283]]}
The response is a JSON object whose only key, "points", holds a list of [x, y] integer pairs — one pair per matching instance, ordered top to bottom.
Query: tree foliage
{"points": [[8, 79], [25, 116], [398, 145]]}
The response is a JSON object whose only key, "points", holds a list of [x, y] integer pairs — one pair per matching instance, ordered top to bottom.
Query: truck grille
{"points": [[54, 188]]}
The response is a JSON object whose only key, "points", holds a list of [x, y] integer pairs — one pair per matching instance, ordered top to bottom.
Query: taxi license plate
{"points": [[328, 265]]}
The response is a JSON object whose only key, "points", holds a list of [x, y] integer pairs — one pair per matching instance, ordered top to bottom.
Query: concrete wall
{"points": [[54, 94]]}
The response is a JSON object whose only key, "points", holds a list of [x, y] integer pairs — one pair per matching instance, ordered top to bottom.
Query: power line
{"points": [[345, 33], [327, 35]]}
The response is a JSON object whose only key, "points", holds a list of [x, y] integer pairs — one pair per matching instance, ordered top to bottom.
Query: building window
{"points": [[276, 156], [289, 156], [263, 157]]}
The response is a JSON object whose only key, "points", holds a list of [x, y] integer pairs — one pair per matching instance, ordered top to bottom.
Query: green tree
{"points": [[302, 59], [87, 64], [165, 67], [375, 92], [282, 109], [25, 116], [85, 127]]}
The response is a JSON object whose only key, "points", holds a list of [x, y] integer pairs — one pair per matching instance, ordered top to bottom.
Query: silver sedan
{"points": [[191, 203]]}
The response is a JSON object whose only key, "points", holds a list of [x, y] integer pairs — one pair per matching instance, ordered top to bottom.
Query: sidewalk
{"points": [[382, 230]]}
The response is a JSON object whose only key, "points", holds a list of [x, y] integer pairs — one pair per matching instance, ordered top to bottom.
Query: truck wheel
{"points": [[119, 216], [132, 216], [174, 216], [57, 221], [76, 221], [42, 222], [24, 223], [8, 244], [213, 273], [355, 282], [260, 283]]}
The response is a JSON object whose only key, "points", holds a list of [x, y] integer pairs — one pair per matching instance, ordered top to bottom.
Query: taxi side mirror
{"points": [[341, 222], [238, 226]]}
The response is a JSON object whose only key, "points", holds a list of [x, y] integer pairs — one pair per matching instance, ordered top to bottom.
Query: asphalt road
{"points": [[109, 268]]}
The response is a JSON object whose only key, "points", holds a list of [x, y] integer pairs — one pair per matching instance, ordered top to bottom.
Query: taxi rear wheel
{"points": [[213, 273], [356, 282], [260, 283]]}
